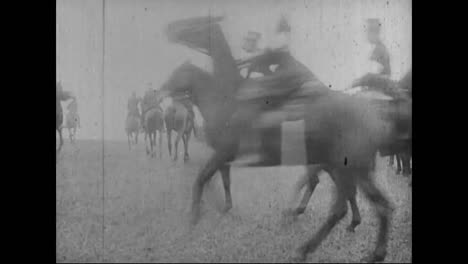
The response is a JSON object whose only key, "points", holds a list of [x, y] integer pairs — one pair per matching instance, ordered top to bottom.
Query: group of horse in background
{"points": [[153, 120]]}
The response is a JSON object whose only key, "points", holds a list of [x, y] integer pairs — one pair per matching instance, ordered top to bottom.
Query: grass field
{"points": [[147, 202]]}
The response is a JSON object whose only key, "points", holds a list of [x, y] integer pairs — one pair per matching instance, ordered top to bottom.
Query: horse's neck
{"points": [[225, 71], [214, 104]]}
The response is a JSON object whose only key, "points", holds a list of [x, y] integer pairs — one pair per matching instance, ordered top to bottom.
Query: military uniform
{"points": [[290, 80], [380, 80]]}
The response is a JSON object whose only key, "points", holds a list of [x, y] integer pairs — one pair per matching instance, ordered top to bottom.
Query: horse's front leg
{"points": [[74, 134], [70, 135], [186, 138], [60, 140], [129, 141], [169, 141], [146, 143], [153, 143], [160, 143], [176, 146], [398, 159], [207, 172], [226, 177], [309, 180]]}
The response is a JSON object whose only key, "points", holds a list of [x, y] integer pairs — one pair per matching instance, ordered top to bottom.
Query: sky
{"points": [[327, 36]]}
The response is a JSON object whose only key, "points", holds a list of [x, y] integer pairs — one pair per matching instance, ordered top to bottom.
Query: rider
{"points": [[379, 55], [290, 80], [150, 101], [132, 105]]}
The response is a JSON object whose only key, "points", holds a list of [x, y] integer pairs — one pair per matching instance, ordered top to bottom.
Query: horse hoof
{"points": [[226, 208], [290, 214], [194, 217], [350, 229], [300, 255], [374, 258]]}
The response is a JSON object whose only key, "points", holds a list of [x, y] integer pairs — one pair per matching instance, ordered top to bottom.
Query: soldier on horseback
{"points": [[380, 79], [290, 81], [150, 100], [132, 105]]}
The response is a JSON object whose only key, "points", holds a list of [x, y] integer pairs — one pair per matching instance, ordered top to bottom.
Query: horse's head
{"points": [[196, 33], [182, 81]]}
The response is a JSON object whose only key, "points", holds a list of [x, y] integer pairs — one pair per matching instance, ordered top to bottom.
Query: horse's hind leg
{"points": [[169, 141], [176, 146], [399, 161], [226, 176], [310, 181], [383, 209], [339, 210], [356, 220]]}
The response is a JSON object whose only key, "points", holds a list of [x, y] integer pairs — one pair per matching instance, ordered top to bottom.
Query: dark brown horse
{"points": [[60, 95], [181, 120], [154, 124], [132, 128], [342, 133]]}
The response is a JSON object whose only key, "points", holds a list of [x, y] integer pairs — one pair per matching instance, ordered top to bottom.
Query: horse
{"points": [[401, 93], [60, 95], [153, 118], [178, 118], [72, 120], [132, 128], [342, 133]]}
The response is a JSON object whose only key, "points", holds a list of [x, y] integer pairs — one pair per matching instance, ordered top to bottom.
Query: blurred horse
{"points": [[60, 95], [401, 96], [153, 118], [179, 118], [72, 120], [133, 120], [132, 128], [342, 133]]}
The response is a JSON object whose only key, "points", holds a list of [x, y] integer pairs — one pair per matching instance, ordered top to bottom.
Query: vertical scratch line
{"points": [[102, 118]]}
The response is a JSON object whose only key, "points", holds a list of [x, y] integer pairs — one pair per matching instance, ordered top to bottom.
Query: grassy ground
{"points": [[147, 202]]}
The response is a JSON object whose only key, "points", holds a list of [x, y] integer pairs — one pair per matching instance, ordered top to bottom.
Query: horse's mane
{"points": [[197, 70]]}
